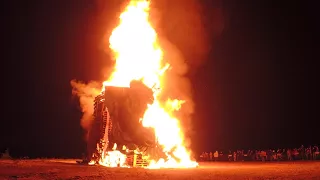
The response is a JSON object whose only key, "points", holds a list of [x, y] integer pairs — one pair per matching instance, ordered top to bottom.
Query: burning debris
{"points": [[133, 124]]}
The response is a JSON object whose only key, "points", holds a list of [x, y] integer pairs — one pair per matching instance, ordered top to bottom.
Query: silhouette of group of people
{"points": [[288, 154]]}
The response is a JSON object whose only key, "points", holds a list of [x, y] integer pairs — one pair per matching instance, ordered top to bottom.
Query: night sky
{"points": [[256, 87]]}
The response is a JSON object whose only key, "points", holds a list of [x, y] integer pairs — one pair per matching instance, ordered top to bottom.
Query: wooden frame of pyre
{"points": [[117, 119]]}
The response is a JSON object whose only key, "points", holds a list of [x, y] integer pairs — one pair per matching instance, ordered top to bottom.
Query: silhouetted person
{"points": [[302, 152], [315, 152], [308, 153], [289, 154], [216, 155], [263, 155], [230, 156]]}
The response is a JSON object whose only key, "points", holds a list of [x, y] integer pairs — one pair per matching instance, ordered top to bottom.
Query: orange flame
{"points": [[139, 57], [113, 158]]}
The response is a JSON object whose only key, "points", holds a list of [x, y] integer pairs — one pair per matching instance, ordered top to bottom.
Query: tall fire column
{"points": [[117, 113]]}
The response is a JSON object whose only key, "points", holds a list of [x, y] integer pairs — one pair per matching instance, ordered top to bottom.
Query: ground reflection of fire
{"points": [[139, 57]]}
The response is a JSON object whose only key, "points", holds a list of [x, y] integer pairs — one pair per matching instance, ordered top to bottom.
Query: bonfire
{"points": [[133, 93]]}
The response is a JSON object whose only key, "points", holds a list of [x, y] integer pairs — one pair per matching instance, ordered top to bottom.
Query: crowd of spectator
{"points": [[302, 153]]}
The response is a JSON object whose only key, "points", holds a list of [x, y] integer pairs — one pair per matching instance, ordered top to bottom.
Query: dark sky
{"points": [[257, 87]]}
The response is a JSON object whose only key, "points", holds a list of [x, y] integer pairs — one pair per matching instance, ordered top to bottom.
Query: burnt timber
{"points": [[116, 119]]}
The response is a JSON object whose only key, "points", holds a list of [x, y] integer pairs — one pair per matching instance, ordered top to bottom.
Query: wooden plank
{"points": [[137, 161]]}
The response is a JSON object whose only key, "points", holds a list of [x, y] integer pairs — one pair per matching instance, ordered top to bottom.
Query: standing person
{"points": [[302, 152], [315, 152], [309, 153], [249, 154], [295, 154], [210, 155], [221, 155], [238, 155], [242, 155], [253, 155], [257, 155], [263, 155], [269, 155], [279, 155], [289, 155], [202, 156], [207, 156], [216, 156], [230, 156]]}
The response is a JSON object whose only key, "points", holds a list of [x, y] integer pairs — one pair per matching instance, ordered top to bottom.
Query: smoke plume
{"points": [[185, 31], [185, 38], [86, 94]]}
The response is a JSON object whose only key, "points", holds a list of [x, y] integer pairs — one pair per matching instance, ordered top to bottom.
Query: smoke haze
{"points": [[185, 39], [86, 94]]}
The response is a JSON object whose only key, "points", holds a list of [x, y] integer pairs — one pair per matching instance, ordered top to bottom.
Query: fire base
{"points": [[116, 121]]}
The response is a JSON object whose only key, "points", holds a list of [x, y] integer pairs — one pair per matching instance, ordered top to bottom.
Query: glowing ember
{"points": [[139, 57]]}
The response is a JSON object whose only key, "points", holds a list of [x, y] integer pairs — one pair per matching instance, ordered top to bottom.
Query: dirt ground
{"points": [[68, 169]]}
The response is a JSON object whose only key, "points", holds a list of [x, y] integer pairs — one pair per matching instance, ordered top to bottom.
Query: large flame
{"points": [[139, 57]]}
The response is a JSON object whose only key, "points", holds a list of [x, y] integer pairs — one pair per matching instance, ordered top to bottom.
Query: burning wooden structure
{"points": [[117, 120]]}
